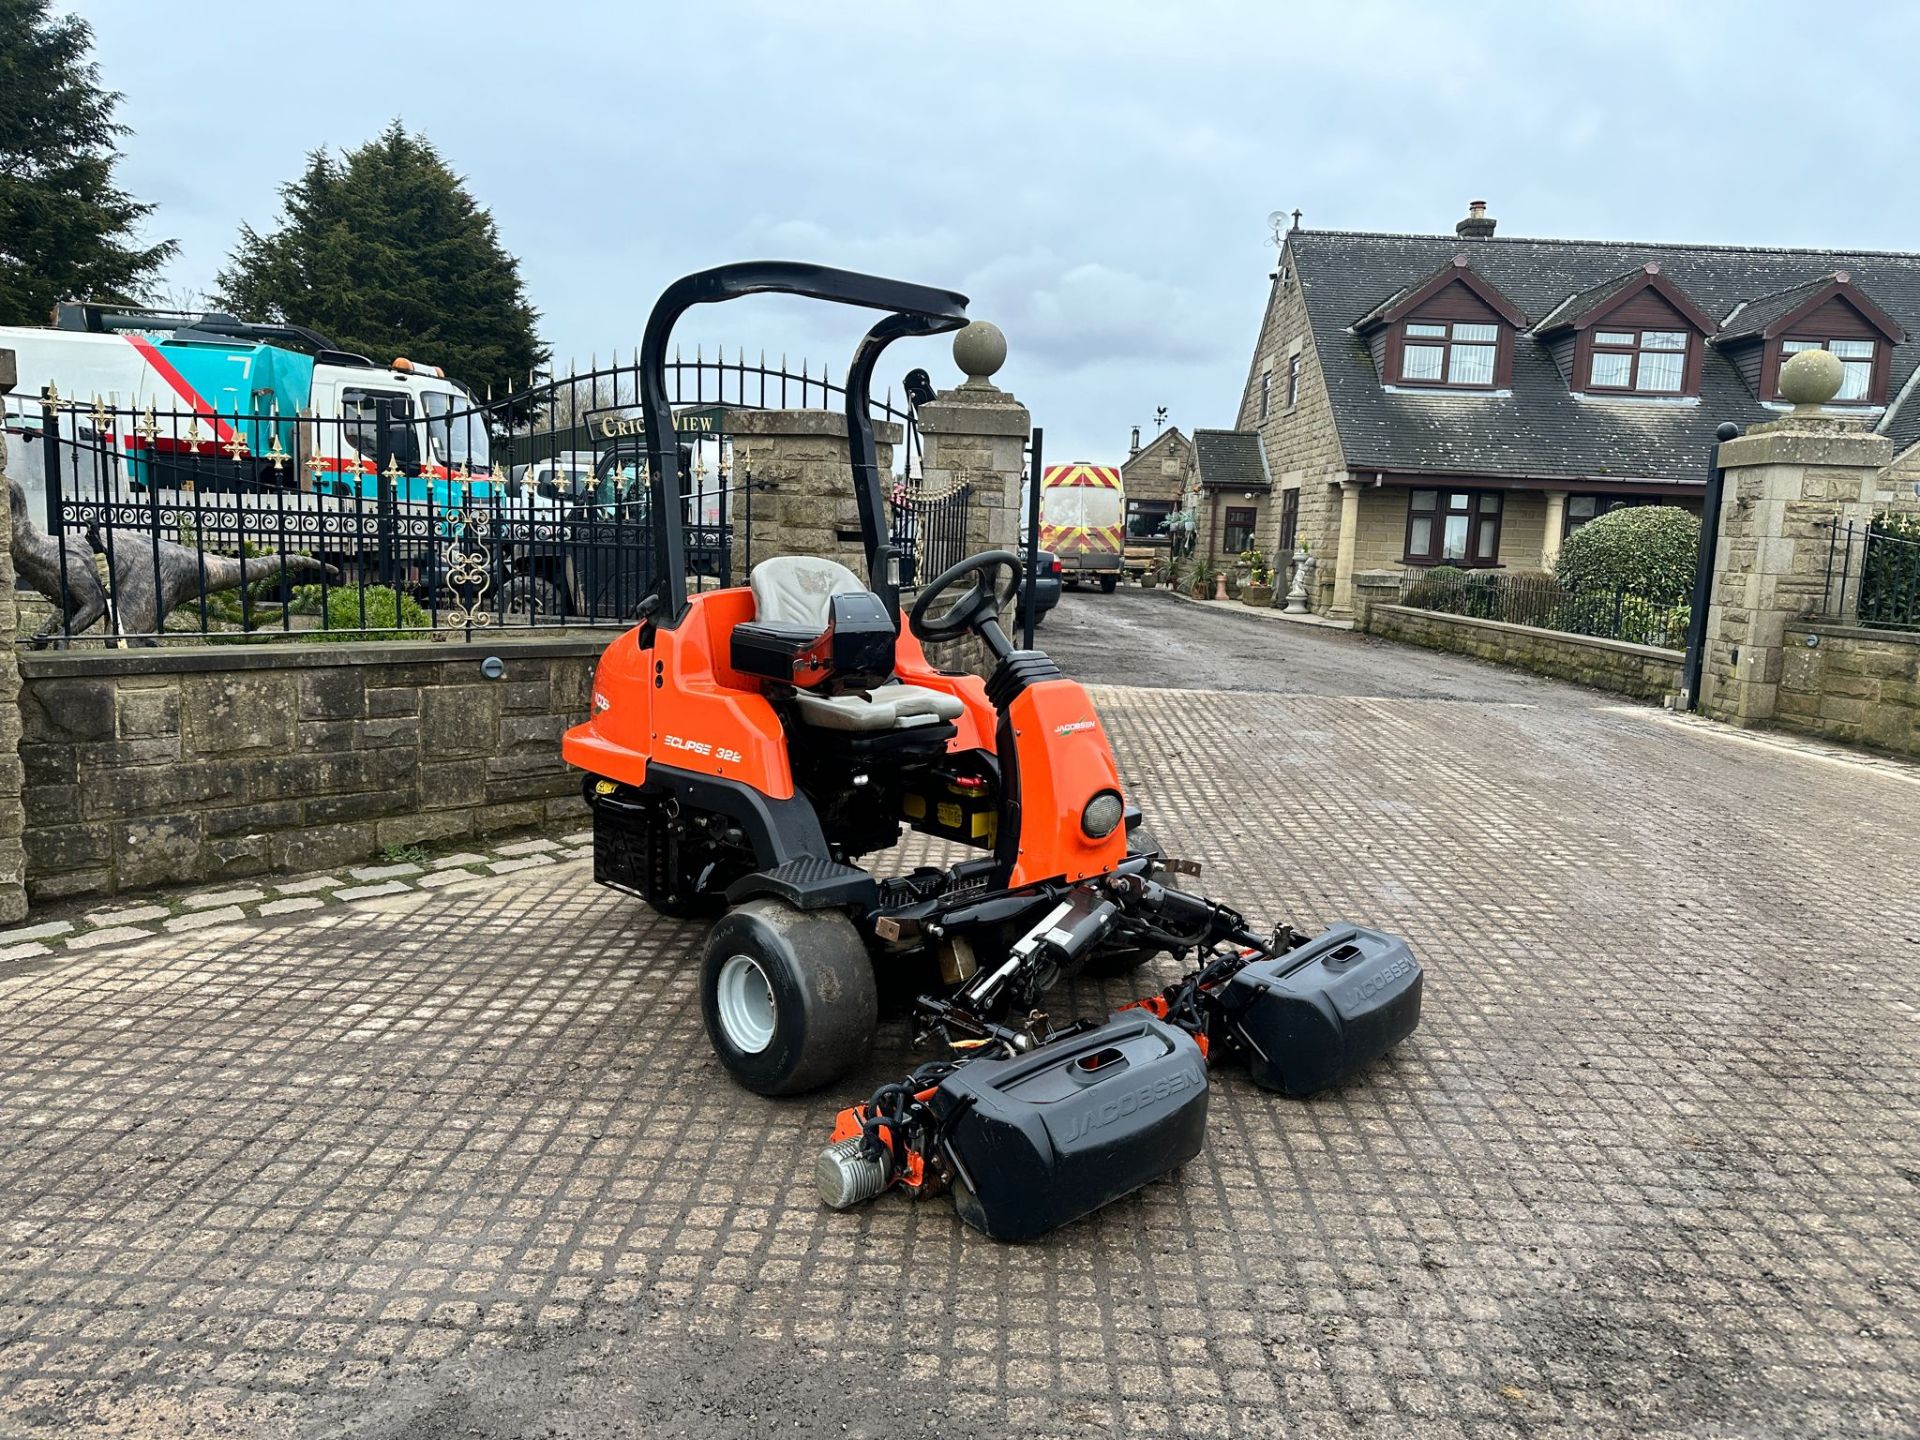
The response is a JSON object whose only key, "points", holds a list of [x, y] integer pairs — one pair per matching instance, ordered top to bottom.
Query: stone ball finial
{"points": [[980, 350], [1810, 379]]}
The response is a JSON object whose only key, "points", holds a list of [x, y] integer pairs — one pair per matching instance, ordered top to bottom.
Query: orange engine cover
{"points": [[679, 703], [1063, 760]]}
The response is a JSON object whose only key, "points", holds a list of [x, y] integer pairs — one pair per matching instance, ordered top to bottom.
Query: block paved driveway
{"points": [[461, 1165]]}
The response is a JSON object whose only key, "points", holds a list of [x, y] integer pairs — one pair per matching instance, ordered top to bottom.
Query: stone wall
{"points": [[803, 501], [1637, 670], [1843, 683], [148, 767]]}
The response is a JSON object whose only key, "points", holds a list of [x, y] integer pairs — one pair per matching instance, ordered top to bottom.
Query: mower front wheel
{"points": [[788, 996]]}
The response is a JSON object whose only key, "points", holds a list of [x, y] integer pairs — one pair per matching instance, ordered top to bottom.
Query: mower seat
{"points": [[793, 607], [890, 707]]}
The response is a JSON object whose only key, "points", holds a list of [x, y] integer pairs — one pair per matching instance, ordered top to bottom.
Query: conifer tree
{"points": [[67, 232], [385, 252]]}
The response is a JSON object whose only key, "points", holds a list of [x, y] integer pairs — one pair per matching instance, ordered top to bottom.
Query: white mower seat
{"points": [[798, 590], [891, 707]]}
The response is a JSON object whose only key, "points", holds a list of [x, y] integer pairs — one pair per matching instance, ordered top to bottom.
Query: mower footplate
{"points": [[1315, 1015], [1044, 1138]]}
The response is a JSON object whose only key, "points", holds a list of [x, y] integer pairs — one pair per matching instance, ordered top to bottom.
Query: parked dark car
{"points": [[1047, 583]]}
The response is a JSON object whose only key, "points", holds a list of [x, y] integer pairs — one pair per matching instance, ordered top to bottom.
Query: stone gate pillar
{"points": [[975, 435], [1788, 482], [803, 501], [13, 818]]}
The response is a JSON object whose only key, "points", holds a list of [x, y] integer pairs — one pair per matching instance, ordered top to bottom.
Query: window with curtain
{"points": [[1449, 353], [1641, 362], [1856, 364], [1240, 521], [1453, 527]]}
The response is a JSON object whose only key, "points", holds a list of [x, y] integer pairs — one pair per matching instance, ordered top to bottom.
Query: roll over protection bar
{"points": [[917, 310]]}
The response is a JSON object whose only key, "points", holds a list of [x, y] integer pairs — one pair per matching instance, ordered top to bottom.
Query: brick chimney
{"points": [[1478, 225]]}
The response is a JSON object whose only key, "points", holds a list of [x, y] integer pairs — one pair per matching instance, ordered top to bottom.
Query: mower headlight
{"points": [[1102, 814]]}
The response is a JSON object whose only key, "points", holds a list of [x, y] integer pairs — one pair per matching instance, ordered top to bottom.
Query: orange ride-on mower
{"points": [[748, 746]]}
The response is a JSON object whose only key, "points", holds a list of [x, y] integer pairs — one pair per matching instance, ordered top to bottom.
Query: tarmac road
{"points": [[1149, 637]]}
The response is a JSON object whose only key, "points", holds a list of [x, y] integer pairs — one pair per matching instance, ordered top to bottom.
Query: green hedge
{"points": [[1646, 550], [1890, 573], [385, 609]]}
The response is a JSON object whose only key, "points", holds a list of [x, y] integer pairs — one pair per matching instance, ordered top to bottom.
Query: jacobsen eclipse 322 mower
{"points": [[748, 745]]}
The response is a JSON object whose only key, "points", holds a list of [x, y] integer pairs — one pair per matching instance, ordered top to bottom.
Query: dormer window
{"points": [[1452, 331], [1459, 353], [1639, 362], [1856, 365]]}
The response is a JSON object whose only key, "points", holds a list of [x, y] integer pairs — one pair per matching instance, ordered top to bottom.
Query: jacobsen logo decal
{"points": [[1074, 727], [699, 747], [1374, 984], [1132, 1102]]}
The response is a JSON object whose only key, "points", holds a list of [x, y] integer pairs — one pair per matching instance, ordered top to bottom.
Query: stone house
{"points": [[1471, 399], [1155, 478], [1229, 494]]}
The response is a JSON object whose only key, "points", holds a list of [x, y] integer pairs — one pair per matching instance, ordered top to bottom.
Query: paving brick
{"points": [[527, 847], [463, 858], [524, 862], [383, 872], [440, 879], [308, 885], [368, 892], [212, 899], [292, 905], [127, 915], [201, 919], [45, 930], [112, 935], [28, 951], [1647, 1170]]}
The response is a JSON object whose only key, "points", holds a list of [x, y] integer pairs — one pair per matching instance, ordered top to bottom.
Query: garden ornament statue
{"points": [[154, 577], [151, 578], [68, 580], [1297, 592]]}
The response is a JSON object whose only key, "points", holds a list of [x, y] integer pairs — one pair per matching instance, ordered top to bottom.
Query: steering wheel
{"points": [[996, 579]]}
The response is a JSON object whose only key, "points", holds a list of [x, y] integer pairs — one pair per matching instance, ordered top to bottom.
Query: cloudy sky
{"points": [[1096, 176]]}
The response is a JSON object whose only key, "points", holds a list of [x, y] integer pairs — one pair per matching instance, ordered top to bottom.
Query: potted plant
{"points": [[1201, 587], [1257, 588]]}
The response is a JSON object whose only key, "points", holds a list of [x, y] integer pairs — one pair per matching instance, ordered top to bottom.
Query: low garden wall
{"points": [[1637, 670], [1843, 683], [151, 766]]}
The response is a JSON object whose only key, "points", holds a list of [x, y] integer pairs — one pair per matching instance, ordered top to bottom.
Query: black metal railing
{"points": [[396, 513], [1873, 573], [1609, 613]]}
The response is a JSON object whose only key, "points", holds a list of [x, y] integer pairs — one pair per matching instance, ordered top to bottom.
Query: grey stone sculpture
{"points": [[37, 559], [144, 592]]}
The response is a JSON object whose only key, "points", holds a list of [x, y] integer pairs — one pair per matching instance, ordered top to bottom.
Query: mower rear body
{"points": [[1316, 1015], [1042, 1139]]}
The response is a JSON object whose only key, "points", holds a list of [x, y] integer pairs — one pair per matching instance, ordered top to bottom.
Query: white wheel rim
{"points": [[745, 1002]]}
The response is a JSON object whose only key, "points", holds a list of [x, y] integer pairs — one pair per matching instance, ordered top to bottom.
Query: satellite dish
{"points": [[1277, 223]]}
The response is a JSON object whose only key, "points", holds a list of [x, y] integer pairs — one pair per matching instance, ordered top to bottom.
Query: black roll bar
{"points": [[917, 310]]}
